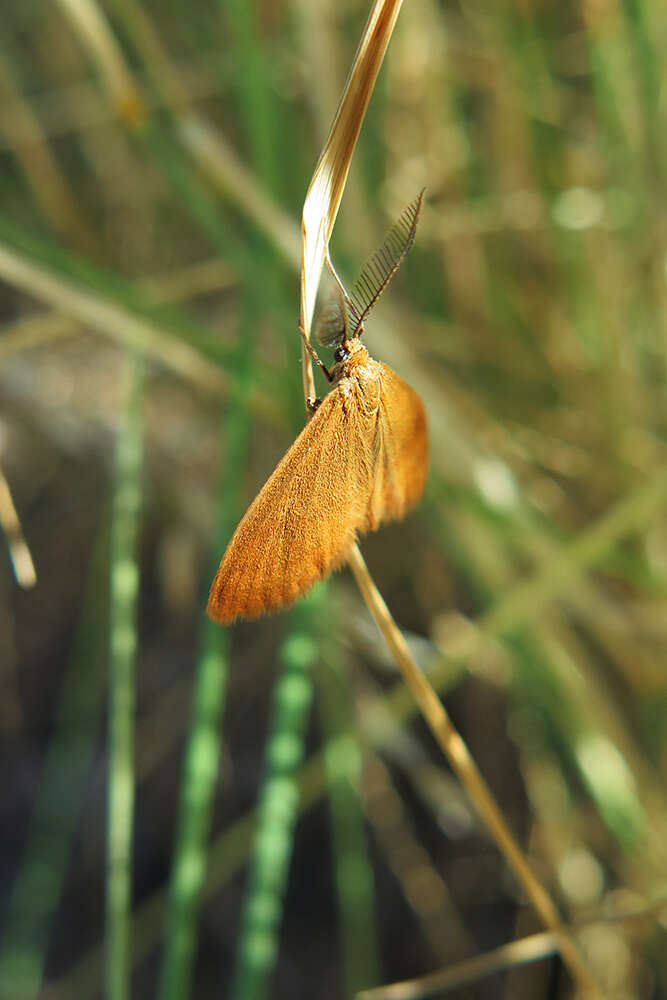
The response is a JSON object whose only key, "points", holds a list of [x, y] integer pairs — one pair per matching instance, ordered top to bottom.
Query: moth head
{"points": [[345, 352], [341, 354]]}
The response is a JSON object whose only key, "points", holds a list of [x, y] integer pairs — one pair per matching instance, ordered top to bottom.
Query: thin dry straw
{"points": [[95, 35], [192, 132], [197, 136], [30, 147], [219, 162], [328, 182], [320, 209], [106, 316], [126, 503], [19, 553], [524, 616], [466, 769], [527, 949], [530, 949]]}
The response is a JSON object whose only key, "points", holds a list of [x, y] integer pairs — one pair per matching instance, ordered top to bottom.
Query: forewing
{"points": [[401, 449], [304, 520]]}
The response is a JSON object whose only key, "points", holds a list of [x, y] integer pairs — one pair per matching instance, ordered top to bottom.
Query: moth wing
{"points": [[329, 319], [401, 448], [305, 518]]}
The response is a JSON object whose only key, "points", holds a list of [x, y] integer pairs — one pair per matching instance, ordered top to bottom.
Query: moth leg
{"points": [[313, 354], [312, 404]]}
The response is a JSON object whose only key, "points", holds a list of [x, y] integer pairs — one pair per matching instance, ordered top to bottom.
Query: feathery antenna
{"points": [[382, 267]]}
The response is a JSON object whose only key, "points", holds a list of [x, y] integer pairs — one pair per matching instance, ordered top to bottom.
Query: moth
{"points": [[360, 461]]}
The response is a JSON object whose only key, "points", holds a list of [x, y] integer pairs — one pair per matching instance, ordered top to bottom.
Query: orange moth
{"points": [[361, 460]]}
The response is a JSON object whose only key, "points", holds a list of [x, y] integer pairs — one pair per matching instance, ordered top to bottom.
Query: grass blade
{"points": [[123, 645], [203, 750], [278, 806], [354, 875], [39, 882]]}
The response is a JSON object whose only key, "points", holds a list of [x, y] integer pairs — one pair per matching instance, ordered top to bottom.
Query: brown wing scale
{"points": [[402, 450], [361, 460], [304, 520]]}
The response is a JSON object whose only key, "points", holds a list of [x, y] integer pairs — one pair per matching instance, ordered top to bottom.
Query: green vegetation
{"points": [[153, 163]]}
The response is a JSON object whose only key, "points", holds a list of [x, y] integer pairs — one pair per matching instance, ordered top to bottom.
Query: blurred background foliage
{"points": [[154, 158]]}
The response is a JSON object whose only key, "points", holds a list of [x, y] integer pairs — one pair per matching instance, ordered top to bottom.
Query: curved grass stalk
{"points": [[319, 214], [117, 322], [469, 775]]}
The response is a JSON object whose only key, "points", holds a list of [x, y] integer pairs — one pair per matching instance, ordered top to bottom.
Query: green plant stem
{"points": [[516, 612], [123, 644], [203, 750], [197, 790], [278, 807], [43, 867], [354, 875]]}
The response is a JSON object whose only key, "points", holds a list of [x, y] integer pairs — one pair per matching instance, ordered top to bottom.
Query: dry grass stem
{"points": [[93, 30], [25, 136], [199, 137], [328, 182], [319, 214], [93, 310], [33, 331], [19, 553], [535, 574], [465, 768], [528, 949]]}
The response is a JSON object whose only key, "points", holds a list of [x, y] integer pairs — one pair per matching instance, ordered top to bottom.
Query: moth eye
{"points": [[340, 354]]}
